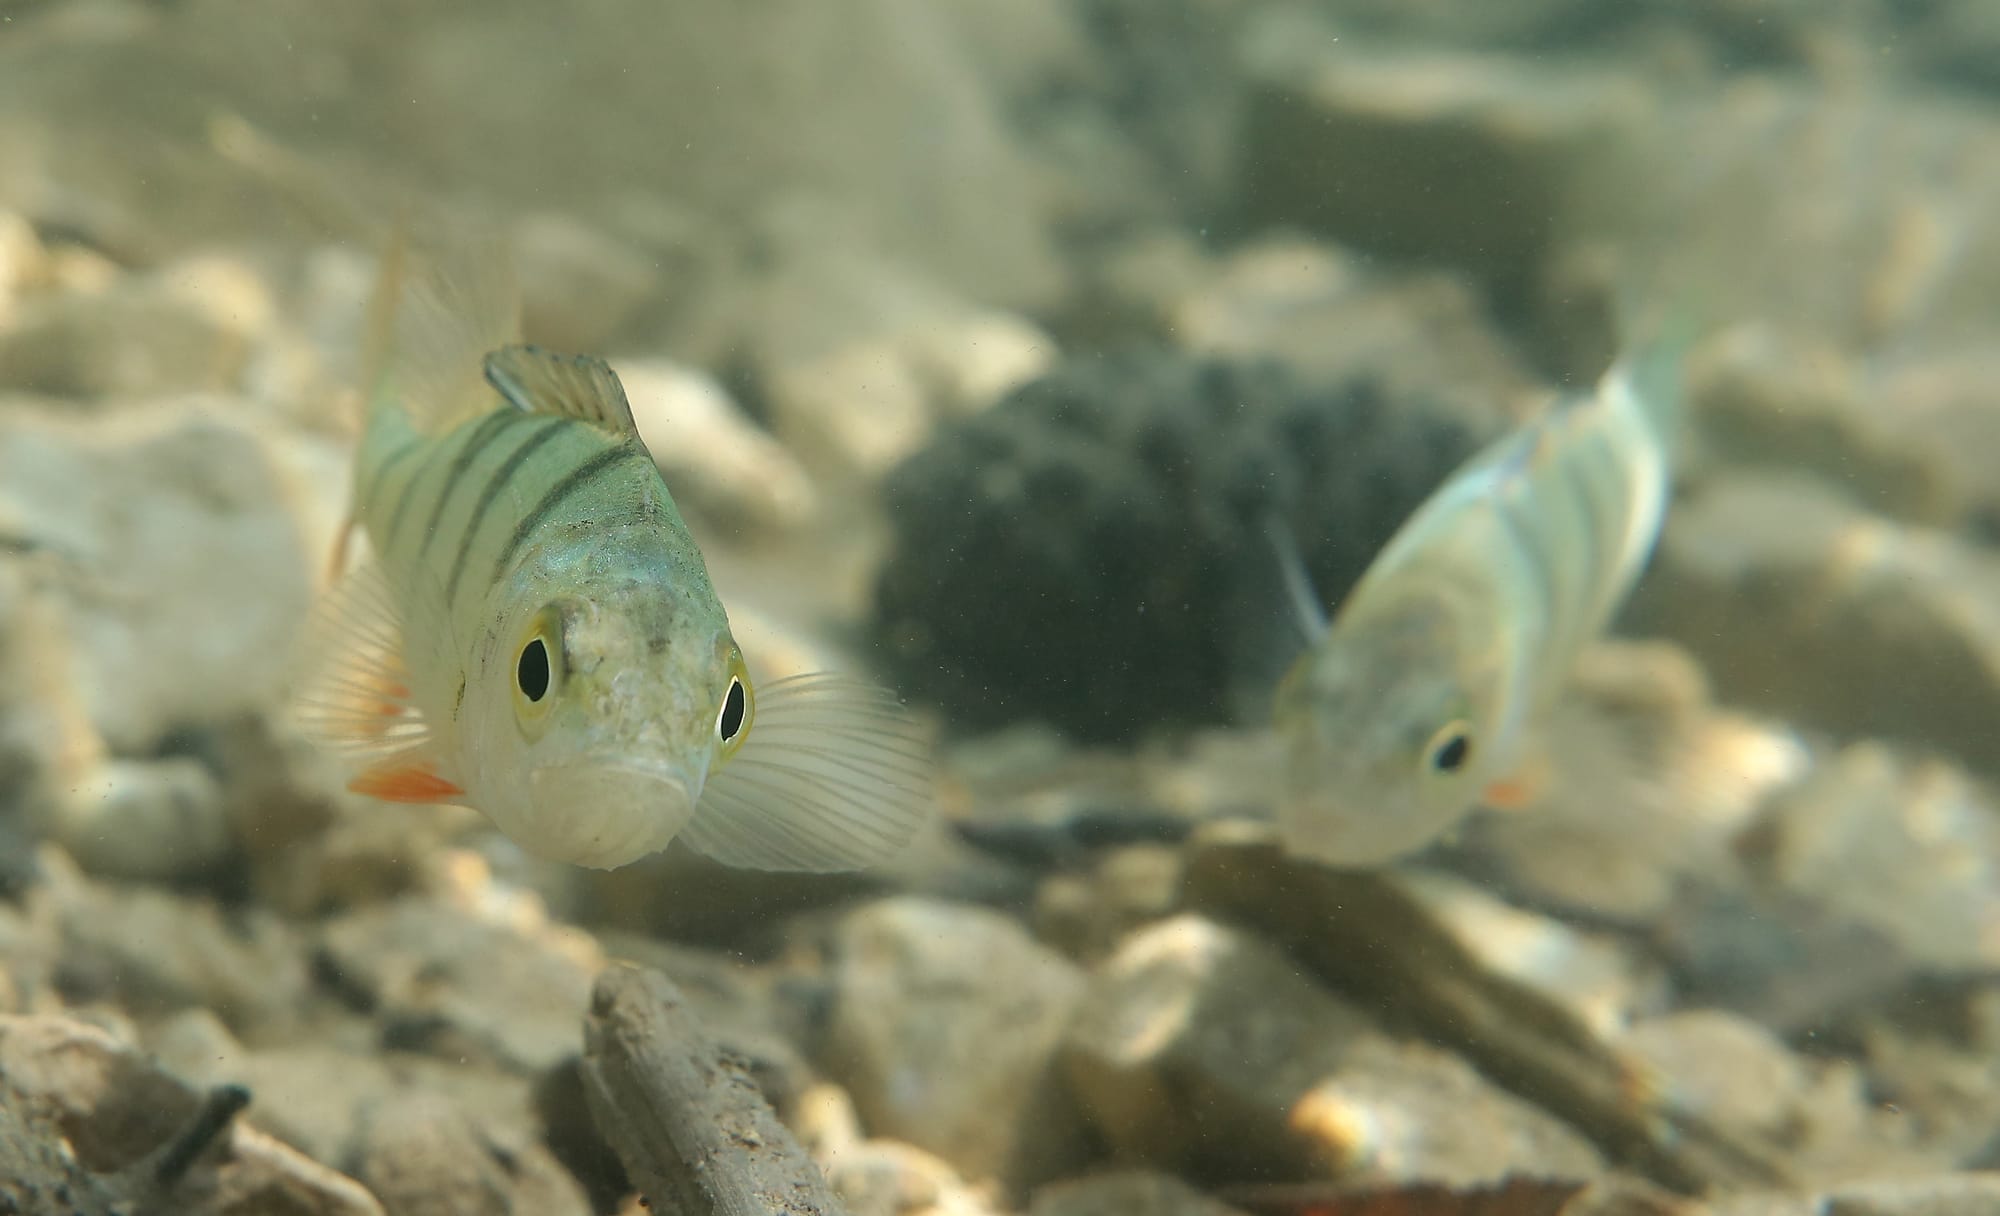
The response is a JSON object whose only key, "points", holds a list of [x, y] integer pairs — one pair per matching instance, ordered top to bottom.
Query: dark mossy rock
{"points": [[1096, 551]]}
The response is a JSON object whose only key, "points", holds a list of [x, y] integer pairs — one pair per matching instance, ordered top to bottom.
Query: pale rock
{"points": [[723, 111], [1470, 160], [1736, 187], [22, 263], [580, 288], [1317, 306], [188, 327], [859, 357], [1764, 398], [719, 465], [177, 539], [1805, 606], [1653, 783], [142, 819], [1905, 849], [1087, 915], [30, 941], [155, 953], [1591, 975], [461, 977], [944, 1024], [1201, 1049], [1723, 1065], [314, 1090], [115, 1107], [1396, 1114], [423, 1156], [265, 1175], [876, 1177], [889, 1178], [1126, 1193], [1964, 1194]]}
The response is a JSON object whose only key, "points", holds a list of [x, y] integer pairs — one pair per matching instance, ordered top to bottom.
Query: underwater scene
{"points": [[1000, 608]]}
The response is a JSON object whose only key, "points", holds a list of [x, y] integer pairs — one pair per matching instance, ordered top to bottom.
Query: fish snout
{"points": [[605, 813]]}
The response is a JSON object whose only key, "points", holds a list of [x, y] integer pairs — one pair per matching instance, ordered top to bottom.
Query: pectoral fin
{"points": [[352, 697], [834, 775]]}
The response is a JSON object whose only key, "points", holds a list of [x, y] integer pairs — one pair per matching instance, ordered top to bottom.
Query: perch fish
{"points": [[535, 635], [1430, 692]]}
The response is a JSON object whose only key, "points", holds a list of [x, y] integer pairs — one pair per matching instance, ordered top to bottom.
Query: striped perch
{"points": [[535, 633], [1430, 692]]}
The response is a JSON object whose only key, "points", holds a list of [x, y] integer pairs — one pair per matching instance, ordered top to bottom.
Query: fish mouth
{"points": [[606, 812], [1339, 834]]}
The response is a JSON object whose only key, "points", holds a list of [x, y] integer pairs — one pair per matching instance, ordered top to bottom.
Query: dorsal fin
{"points": [[573, 386]]}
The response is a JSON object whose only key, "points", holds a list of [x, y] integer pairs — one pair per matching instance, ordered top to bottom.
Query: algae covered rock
{"points": [[1095, 551]]}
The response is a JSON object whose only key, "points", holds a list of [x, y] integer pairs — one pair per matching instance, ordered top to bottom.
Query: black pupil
{"points": [[533, 670], [732, 711], [1451, 753]]}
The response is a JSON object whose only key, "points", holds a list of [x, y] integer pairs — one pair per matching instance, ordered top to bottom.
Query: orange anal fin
{"points": [[404, 781], [1519, 790]]}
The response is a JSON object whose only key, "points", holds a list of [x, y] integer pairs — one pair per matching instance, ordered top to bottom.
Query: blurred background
{"points": [[978, 340]]}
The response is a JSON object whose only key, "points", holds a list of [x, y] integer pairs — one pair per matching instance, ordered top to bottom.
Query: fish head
{"points": [[604, 713], [1382, 741]]}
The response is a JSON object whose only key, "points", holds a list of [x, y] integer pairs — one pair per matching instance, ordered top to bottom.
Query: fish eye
{"points": [[537, 670], [531, 671], [732, 721], [1450, 748]]}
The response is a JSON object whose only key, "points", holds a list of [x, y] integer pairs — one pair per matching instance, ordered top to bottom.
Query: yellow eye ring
{"points": [[537, 669], [738, 708], [1450, 749]]}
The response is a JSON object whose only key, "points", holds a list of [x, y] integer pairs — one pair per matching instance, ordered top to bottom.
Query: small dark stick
{"points": [[217, 1111], [685, 1117]]}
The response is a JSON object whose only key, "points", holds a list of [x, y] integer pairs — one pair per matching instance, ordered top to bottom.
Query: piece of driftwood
{"points": [[1366, 938], [694, 1132]]}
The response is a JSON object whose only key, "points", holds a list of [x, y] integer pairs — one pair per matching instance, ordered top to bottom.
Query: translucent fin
{"points": [[461, 302], [378, 337], [1655, 343], [574, 386], [1307, 610], [1274, 617], [351, 695], [835, 775]]}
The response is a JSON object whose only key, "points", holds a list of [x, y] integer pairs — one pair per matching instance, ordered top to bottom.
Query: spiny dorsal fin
{"points": [[574, 386]]}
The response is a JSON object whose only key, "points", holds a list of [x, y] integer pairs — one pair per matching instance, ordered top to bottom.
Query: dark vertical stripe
{"points": [[478, 441], [377, 477], [577, 479], [495, 484], [1606, 521], [1529, 542]]}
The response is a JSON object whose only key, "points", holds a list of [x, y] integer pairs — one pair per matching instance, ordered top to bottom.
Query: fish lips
{"points": [[606, 812], [1346, 836]]}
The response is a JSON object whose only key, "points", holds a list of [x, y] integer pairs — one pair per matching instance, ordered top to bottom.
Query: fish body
{"points": [[536, 635], [1428, 692]]}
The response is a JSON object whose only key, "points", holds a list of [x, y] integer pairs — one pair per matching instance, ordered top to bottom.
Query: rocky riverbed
{"points": [[974, 341]]}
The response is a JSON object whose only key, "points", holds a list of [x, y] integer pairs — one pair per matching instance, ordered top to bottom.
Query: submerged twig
{"points": [[218, 1109], [685, 1117]]}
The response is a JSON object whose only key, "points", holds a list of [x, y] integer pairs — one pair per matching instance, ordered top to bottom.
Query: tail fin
{"points": [[1652, 366]]}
